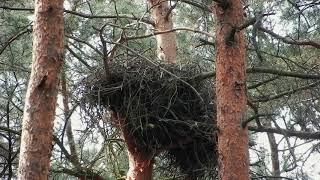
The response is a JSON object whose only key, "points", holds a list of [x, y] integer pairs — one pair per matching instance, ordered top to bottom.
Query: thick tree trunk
{"points": [[162, 17], [231, 91], [40, 104], [140, 161], [140, 166]]}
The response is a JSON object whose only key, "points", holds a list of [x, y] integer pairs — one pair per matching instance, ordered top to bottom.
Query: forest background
{"points": [[282, 81]]}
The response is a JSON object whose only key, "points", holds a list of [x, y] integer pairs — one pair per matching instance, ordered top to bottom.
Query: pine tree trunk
{"points": [[162, 17], [231, 91], [40, 104], [66, 110], [140, 161], [140, 166]]}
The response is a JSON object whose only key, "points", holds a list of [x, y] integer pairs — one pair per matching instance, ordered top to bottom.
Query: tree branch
{"points": [[88, 16], [14, 37], [291, 41], [86, 43], [78, 57], [283, 73], [211, 74], [277, 96], [290, 133], [55, 139]]}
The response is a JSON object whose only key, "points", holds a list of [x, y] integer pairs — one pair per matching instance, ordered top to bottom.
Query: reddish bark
{"points": [[162, 17], [231, 91], [40, 104], [140, 161], [140, 166]]}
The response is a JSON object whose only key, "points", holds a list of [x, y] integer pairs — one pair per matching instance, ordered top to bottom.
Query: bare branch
{"points": [[88, 16], [253, 20], [169, 31], [14, 37], [291, 41], [86, 43], [78, 57], [283, 73], [211, 74], [286, 93], [290, 133], [55, 139]]}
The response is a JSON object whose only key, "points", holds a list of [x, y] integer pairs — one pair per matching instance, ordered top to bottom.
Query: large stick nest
{"points": [[163, 112]]}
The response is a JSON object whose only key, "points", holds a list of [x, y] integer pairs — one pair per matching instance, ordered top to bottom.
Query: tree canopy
{"points": [[282, 65]]}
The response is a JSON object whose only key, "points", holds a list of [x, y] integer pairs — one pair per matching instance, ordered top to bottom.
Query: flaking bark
{"points": [[231, 91], [40, 104]]}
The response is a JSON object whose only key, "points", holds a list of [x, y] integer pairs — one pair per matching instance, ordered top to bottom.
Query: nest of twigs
{"points": [[165, 109]]}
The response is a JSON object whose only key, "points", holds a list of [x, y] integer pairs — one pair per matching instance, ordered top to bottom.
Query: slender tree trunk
{"points": [[161, 13], [231, 91], [40, 104], [9, 138], [71, 142], [274, 152], [274, 155]]}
